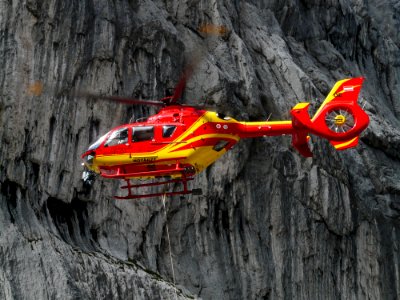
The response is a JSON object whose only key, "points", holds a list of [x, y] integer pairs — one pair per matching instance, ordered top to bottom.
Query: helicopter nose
{"points": [[88, 158]]}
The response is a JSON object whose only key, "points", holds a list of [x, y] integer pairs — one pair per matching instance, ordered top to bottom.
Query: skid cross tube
{"points": [[144, 174], [130, 186]]}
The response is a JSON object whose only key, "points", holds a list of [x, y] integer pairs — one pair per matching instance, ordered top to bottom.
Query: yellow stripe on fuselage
{"points": [[203, 157]]}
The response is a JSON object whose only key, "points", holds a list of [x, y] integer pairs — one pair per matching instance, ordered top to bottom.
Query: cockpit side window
{"points": [[168, 130], [143, 133], [118, 137]]}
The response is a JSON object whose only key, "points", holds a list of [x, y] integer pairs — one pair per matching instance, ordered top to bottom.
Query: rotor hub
{"points": [[340, 120]]}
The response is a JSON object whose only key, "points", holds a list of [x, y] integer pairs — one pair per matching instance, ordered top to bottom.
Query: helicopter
{"points": [[180, 141]]}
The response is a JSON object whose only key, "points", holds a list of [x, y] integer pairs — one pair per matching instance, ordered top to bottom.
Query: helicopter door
{"points": [[143, 139]]}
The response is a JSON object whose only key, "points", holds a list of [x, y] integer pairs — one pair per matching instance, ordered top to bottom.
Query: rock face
{"points": [[271, 224]]}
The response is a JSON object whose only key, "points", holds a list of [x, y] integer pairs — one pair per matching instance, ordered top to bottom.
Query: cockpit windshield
{"points": [[117, 137], [96, 144]]}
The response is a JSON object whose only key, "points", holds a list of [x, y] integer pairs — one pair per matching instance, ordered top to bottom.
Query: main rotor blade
{"points": [[210, 29], [196, 57], [193, 62], [180, 87], [37, 89], [119, 99], [201, 107]]}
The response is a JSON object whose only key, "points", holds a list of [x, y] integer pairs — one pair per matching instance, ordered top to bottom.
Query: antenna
{"points": [[363, 102]]}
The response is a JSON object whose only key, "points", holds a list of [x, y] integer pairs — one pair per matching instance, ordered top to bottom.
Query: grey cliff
{"points": [[271, 224]]}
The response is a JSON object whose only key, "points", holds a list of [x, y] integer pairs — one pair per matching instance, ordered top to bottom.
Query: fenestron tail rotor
{"points": [[340, 120]]}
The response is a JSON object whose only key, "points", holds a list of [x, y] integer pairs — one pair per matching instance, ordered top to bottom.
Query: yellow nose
{"points": [[340, 120]]}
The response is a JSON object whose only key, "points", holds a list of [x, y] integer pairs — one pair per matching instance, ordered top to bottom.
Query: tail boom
{"points": [[339, 119], [260, 129]]}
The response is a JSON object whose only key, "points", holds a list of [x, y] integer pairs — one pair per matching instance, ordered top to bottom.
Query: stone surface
{"points": [[271, 224]]}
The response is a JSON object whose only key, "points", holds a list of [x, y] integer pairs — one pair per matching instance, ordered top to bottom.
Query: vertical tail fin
{"points": [[344, 91]]}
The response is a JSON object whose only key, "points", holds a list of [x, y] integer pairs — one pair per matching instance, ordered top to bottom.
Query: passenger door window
{"points": [[143, 133]]}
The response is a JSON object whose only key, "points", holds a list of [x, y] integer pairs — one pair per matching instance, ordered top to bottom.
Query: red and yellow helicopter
{"points": [[180, 141]]}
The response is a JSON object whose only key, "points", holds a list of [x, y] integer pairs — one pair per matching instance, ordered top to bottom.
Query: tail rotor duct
{"points": [[340, 120]]}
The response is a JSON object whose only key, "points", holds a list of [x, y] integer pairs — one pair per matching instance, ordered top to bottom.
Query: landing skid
{"points": [[184, 191]]}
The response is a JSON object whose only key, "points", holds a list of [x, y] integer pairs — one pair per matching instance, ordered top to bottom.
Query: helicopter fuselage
{"points": [[178, 141]]}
